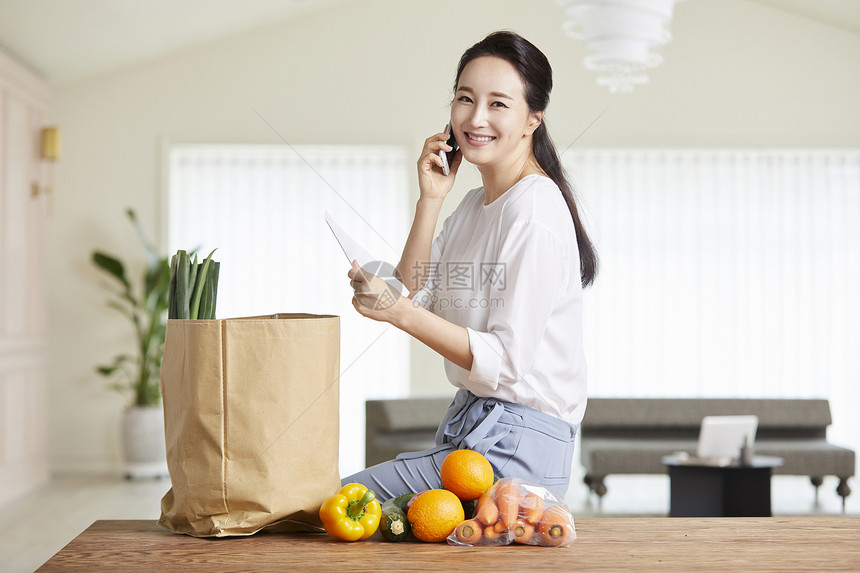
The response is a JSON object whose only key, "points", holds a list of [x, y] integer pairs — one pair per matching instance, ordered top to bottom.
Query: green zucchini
{"points": [[401, 502], [470, 508], [394, 525]]}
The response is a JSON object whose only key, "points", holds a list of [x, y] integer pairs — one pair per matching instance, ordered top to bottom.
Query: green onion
{"points": [[182, 270], [192, 280], [193, 287], [198, 291], [171, 292], [210, 292]]}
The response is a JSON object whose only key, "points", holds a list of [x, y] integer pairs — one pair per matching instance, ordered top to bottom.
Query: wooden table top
{"points": [[604, 544]]}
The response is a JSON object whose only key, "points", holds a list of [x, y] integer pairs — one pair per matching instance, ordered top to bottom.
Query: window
{"points": [[262, 207], [725, 273]]}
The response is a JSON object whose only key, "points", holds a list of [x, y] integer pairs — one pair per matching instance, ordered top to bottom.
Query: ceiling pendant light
{"points": [[622, 37]]}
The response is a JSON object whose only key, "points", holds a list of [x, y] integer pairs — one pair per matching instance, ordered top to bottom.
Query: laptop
{"points": [[723, 436]]}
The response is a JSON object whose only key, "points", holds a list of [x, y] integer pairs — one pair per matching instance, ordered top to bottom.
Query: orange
{"points": [[467, 474], [435, 514]]}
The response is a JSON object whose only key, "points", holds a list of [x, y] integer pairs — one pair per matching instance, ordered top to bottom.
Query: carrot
{"points": [[508, 498], [531, 507], [488, 511], [555, 526], [500, 527], [469, 531], [523, 531], [491, 535]]}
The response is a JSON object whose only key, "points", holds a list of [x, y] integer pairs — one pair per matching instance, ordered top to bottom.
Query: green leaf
{"points": [[151, 252], [112, 266], [156, 276], [156, 284], [128, 312], [118, 362], [139, 372]]}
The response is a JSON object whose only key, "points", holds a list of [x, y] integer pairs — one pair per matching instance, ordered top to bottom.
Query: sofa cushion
{"points": [[809, 417], [604, 456]]}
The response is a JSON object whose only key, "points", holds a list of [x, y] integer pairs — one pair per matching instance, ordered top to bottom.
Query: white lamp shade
{"points": [[622, 37]]}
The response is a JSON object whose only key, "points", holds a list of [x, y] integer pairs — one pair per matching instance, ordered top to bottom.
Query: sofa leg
{"points": [[816, 481], [596, 485], [600, 488], [843, 490]]}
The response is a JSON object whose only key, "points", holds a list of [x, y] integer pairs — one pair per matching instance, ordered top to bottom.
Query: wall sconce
{"points": [[51, 149]]}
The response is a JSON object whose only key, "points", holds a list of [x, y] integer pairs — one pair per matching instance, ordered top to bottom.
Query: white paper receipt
{"points": [[355, 252]]}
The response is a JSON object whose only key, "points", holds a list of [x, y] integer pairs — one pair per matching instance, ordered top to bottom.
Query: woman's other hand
{"points": [[432, 182], [373, 297]]}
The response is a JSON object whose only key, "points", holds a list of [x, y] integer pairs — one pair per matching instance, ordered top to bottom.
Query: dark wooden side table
{"points": [[715, 488]]}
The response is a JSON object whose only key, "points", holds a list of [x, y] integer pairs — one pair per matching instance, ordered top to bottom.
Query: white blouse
{"points": [[509, 273]]}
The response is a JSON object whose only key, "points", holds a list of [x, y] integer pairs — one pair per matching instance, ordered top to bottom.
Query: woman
{"points": [[499, 292]]}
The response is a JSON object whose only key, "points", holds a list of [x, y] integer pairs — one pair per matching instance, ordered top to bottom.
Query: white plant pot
{"points": [[144, 452]]}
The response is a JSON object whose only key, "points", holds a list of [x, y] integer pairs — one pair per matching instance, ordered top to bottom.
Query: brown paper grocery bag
{"points": [[251, 423]]}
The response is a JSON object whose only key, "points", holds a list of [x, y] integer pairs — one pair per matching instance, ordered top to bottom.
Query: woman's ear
{"points": [[535, 119]]}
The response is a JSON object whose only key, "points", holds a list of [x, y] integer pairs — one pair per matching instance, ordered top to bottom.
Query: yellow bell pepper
{"points": [[351, 514]]}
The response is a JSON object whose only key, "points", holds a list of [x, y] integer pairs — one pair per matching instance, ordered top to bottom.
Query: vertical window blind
{"points": [[262, 207], [725, 273]]}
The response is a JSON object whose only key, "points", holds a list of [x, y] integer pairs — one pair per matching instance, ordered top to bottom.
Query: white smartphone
{"points": [[446, 169]]}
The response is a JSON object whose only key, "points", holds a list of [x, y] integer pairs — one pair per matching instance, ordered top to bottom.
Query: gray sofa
{"points": [[404, 425], [631, 435]]}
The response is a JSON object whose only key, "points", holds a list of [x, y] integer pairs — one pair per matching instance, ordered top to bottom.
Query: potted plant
{"points": [[138, 373]]}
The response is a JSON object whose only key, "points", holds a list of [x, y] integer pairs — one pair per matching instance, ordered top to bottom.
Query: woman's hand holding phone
{"points": [[432, 181]]}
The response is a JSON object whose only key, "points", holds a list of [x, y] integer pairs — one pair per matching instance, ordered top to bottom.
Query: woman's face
{"points": [[489, 116]]}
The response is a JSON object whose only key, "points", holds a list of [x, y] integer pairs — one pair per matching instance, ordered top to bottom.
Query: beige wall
{"points": [[380, 71], [24, 99]]}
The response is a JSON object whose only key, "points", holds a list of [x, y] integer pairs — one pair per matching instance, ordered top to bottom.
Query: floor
{"points": [[42, 522]]}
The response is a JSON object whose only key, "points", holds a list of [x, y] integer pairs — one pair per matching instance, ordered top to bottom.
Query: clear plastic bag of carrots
{"points": [[515, 511]]}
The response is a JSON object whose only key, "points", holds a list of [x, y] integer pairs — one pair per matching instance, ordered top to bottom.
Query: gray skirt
{"points": [[519, 442]]}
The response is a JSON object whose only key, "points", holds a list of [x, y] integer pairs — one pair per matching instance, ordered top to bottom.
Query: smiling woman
{"points": [[490, 124], [517, 242]]}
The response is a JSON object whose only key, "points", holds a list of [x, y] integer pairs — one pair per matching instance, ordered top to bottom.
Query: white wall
{"points": [[380, 71], [23, 456]]}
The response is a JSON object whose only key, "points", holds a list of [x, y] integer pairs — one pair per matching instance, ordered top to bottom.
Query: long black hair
{"points": [[536, 74]]}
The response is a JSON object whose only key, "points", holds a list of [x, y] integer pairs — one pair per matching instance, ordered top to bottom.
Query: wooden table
{"points": [[605, 544]]}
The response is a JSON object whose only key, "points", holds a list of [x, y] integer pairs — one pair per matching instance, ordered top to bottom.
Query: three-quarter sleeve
{"points": [[535, 267]]}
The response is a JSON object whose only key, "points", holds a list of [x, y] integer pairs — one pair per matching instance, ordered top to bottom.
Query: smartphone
{"points": [[453, 143]]}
